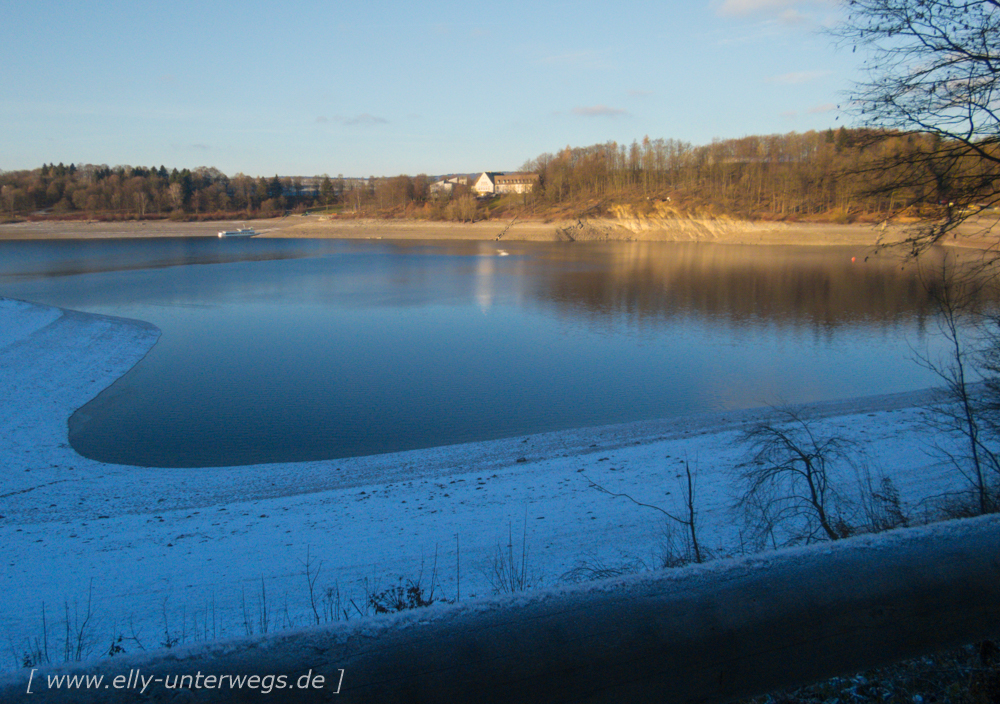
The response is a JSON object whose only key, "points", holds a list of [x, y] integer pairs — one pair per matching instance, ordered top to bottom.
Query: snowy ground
{"points": [[194, 554]]}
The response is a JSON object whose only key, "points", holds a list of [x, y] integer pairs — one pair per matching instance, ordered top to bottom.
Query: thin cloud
{"points": [[741, 8], [790, 9], [782, 13], [793, 16], [796, 77], [640, 93], [824, 108], [599, 111], [364, 120]]}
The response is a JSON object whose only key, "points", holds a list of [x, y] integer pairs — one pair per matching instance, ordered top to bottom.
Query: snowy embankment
{"points": [[177, 556], [711, 633]]}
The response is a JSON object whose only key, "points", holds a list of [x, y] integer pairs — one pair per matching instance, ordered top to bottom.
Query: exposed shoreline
{"points": [[719, 230]]}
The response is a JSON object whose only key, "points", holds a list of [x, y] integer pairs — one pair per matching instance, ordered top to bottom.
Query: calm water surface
{"points": [[285, 350]]}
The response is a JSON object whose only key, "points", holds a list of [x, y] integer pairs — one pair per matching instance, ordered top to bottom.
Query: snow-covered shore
{"points": [[192, 554]]}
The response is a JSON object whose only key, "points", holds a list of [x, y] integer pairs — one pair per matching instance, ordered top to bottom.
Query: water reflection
{"points": [[33, 258], [739, 285], [281, 350]]}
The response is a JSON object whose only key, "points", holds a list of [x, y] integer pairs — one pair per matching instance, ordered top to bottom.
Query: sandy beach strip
{"points": [[720, 230]]}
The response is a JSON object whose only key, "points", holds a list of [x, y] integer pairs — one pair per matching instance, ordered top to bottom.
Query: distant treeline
{"points": [[839, 175], [140, 192]]}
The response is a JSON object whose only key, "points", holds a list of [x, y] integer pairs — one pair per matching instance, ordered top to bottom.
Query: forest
{"points": [[842, 176]]}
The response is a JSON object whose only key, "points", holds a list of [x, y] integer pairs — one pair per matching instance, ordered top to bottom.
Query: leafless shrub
{"points": [[968, 410], [786, 494], [881, 504], [951, 505], [676, 548], [691, 550], [312, 570], [591, 570], [508, 572], [400, 598], [333, 608], [262, 622], [79, 639], [169, 639], [36, 650], [32, 654]]}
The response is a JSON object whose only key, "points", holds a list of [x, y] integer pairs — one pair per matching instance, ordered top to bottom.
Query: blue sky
{"points": [[308, 87]]}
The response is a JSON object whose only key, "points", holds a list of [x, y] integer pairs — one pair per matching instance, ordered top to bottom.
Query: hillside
{"points": [[843, 177]]}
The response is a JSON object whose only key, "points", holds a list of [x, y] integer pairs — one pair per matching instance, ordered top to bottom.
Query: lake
{"points": [[280, 350]]}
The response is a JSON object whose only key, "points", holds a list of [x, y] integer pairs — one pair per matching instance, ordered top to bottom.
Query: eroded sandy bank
{"points": [[624, 228]]}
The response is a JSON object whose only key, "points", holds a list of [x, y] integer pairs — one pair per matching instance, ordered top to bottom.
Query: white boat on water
{"points": [[242, 232]]}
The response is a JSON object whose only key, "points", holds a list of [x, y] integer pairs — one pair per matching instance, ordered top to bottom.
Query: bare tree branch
{"points": [[933, 69]]}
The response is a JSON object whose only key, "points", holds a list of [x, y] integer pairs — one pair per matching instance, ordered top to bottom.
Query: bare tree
{"points": [[933, 69], [10, 195], [971, 347], [785, 480], [693, 550]]}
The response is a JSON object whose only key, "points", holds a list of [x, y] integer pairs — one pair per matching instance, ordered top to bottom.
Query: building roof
{"points": [[517, 176]]}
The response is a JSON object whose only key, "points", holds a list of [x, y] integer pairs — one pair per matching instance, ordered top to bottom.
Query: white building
{"points": [[520, 182], [446, 185], [486, 185]]}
